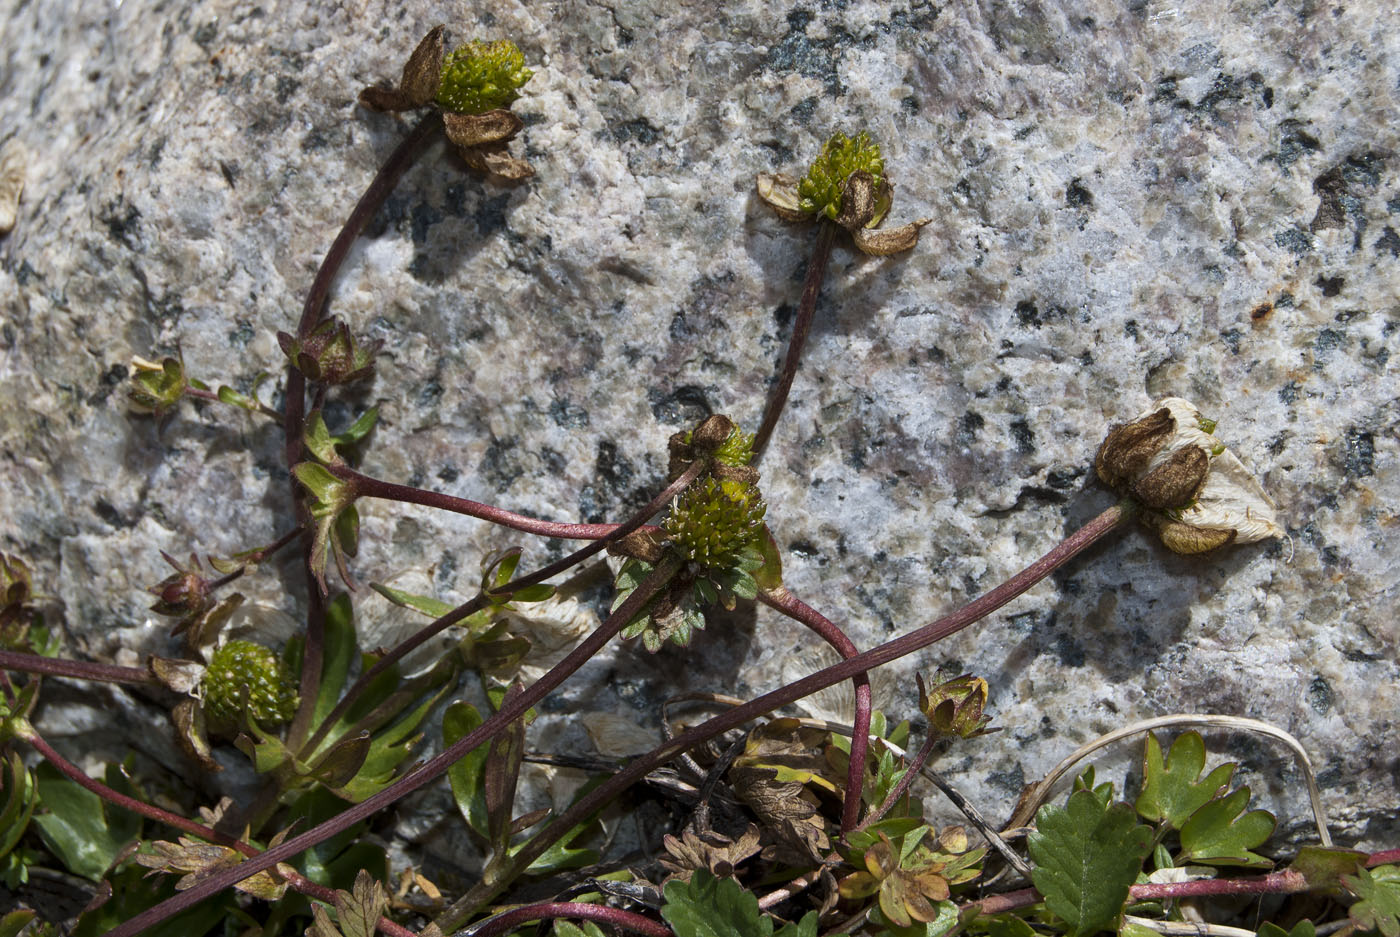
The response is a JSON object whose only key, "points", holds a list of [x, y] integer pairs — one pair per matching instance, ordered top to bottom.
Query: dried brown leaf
{"points": [[496, 126], [889, 241]]}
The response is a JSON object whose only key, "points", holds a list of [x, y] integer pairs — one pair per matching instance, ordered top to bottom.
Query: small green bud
{"points": [[482, 76], [821, 189], [157, 386], [713, 522], [247, 678], [954, 707]]}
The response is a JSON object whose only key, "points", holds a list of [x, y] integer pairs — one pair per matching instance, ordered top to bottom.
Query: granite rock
{"points": [[1128, 201]]}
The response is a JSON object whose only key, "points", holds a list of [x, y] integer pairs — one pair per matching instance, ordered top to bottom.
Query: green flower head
{"points": [[482, 76], [819, 192], [713, 523], [247, 678]]}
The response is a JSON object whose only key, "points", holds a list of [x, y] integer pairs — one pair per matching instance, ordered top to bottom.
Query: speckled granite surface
{"points": [[1129, 200]]}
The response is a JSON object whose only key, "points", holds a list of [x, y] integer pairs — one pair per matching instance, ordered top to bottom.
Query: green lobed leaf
{"points": [[233, 398], [359, 429], [317, 439], [1173, 790], [1221, 833], [1087, 855], [1324, 866], [1379, 891], [710, 907], [11, 924], [807, 927], [566, 928]]}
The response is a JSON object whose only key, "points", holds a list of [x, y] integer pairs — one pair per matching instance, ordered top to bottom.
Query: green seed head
{"points": [[482, 76], [820, 190], [713, 522], [244, 677]]}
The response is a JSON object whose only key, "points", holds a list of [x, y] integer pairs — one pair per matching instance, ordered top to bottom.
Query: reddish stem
{"points": [[801, 328], [294, 400], [368, 487], [479, 602], [790, 605], [77, 669], [511, 710], [643, 765], [899, 790], [152, 812], [1383, 858], [1283, 882], [507, 921]]}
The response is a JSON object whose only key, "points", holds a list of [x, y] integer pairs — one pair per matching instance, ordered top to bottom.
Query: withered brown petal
{"points": [[423, 72], [385, 99], [468, 130], [493, 158], [779, 190], [858, 201], [889, 241], [1129, 448], [1176, 481], [1185, 539], [178, 674], [193, 736]]}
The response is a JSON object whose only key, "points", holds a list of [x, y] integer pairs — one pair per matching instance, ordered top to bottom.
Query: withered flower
{"points": [[473, 87], [846, 184], [330, 354], [1193, 490], [954, 707]]}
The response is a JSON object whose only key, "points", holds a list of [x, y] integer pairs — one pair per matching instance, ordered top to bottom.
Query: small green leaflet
{"points": [[1174, 791], [1220, 833], [1087, 854], [1379, 891], [710, 907], [1301, 929]]}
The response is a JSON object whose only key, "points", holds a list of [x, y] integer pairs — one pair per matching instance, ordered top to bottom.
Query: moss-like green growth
{"points": [[482, 76], [820, 190], [713, 522], [244, 677]]}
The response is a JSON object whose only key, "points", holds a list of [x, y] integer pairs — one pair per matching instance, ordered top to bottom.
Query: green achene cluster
{"points": [[482, 76], [820, 190], [715, 521], [247, 678]]}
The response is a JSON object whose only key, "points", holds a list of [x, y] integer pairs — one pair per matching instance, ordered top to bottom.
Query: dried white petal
{"points": [[14, 163], [779, 190], [1232, 498], [618, 736]]}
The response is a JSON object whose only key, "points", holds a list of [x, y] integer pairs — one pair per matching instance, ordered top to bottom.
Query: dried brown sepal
{"points": [[419, 83], [469, 130], [494, 160], [779, 191], [860, 200], [882, 243], [1128, 449], [1176, 481], [1189, 540], [641, 544], [176, 673], [192, 732], [710, 850], [200, 860]]}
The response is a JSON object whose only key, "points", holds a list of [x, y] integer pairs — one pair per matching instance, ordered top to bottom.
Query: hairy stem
{"points": [[801, 328], [790, 605], [77, 669], [510, 711], [639, 767], [1283, 882], [507, 921]]}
